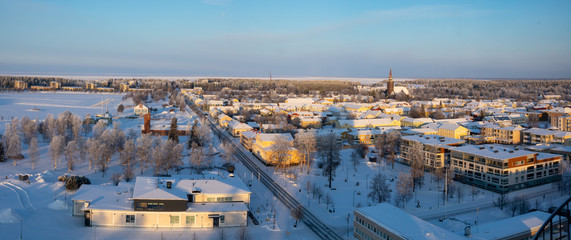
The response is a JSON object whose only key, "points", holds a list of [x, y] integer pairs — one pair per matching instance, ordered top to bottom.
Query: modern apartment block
{"points": [[562, 123], [502, 135], [538, 135], [434, 147], [503, 169]]}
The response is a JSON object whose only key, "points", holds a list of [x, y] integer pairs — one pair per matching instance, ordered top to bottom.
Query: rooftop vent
{"points": [[442, 140], [482, 148], [495, 151], [511, 151], [169, 184]]}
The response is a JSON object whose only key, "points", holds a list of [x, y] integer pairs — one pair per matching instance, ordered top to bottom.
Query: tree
{"points": [[121, 108], [173, 131], [306, 143], [57, 146], [106, 151], [144, 151], [2, 152], [93, 152], [228, 152], [280, 152], [329, 153], [70, 155], [127, 157], [196, 157], [416, 157], [355, 159], [115, 178], [404, 188], [380, 190], [329, 199], [501, 201], [519, 204], [297, 213]]}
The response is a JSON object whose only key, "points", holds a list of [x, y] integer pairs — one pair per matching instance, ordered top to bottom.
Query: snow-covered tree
{"points": [[173, 131], [306, 143], [144, 145], [57, 146], [2, 152], [33, 152], [70, 153], [128, 156], [403, 188], [380, 190]]}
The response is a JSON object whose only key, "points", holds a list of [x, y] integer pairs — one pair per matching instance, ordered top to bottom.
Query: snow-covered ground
{"points": [[43, 207]]}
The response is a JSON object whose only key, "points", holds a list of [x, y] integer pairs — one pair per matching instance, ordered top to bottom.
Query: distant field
{"points": [[40, 104]]}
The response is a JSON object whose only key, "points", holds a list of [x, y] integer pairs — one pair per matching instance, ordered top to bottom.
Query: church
{"points": [[391, 90]]}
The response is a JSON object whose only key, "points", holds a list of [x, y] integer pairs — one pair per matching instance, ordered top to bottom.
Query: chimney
{"points": [[147, 124]]}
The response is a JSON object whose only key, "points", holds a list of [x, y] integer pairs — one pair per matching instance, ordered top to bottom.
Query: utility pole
{"points": [[445, 189], [21, 228]]}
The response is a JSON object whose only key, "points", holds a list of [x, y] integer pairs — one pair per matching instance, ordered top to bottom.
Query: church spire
{"points": [[390, 73], [390, 83]]}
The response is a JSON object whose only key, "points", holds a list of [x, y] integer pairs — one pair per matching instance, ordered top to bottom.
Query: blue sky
{"points": [[417, 39]]}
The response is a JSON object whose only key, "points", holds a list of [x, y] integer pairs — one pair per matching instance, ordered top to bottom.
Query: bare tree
{"points": [[76, 127], [29, 129], [306, 143], [57, 146], [93, 150], [33, 151], [106, 151], [144, 151], [228, 151], [280, 152], [70, 153], [329, 153], [158, 155], [416, 156], [127, 157], [196, 157], [355, 159], [115, 178], [404, 188], [380, 190], [329, 199], [501, 201], [297, 213]]}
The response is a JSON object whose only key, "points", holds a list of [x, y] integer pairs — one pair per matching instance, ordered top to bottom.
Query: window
{"points": [[210, 199], [143, 204], [130, 219], [175, 219], [189, 219], [222, 219]]}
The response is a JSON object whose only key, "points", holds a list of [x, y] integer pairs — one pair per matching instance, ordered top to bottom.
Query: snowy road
{"points": [[23, 196]]}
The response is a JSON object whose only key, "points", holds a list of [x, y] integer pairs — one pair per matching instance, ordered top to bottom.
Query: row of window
{"points": [[219, 199], [152, 205], [373, 229]]}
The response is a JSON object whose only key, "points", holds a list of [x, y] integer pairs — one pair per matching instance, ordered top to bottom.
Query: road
{"points": [[309, 219]]}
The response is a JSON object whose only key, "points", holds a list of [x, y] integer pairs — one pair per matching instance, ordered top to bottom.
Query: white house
{"points": [[141, 110], [165, 202]]}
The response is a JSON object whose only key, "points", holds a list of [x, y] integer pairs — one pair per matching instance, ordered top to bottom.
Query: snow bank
{"points": [[58, 205], [7, 215]]}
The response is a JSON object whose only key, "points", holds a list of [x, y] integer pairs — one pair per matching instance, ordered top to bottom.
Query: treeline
{"points": [[281, 86], [522, 90]]}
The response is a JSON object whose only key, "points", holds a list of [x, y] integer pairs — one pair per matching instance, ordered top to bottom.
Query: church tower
{"points": [[390, 84]]}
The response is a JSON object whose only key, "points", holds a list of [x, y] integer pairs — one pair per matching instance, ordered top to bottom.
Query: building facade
{"points": [[434, 149]]}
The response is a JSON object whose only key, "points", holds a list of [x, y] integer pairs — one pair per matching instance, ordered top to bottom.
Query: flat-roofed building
{"points": [[18, 84], [502, 135], [434, 148], [503, 169]]}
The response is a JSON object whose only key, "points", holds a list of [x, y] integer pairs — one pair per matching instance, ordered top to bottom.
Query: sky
{"points": [[330, 38]]}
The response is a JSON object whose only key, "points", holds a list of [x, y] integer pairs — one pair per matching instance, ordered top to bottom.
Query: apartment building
{"points": [[20, 84], [562, 123], [502, 135], [538, 135], [434, 147], [503, 169]]}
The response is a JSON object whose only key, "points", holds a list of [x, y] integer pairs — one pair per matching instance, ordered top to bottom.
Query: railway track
{"points": [[309, 219]]}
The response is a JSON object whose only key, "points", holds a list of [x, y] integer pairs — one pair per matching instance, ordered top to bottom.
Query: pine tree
{"points": [[173, 132], [2, 152]]}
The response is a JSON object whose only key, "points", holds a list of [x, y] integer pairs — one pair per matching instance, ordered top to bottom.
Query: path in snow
{"points": [[23, 196]]}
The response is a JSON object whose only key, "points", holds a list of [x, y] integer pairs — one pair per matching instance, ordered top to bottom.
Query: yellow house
{"points": [[357, 107], [398, 111], [223, 120], [310, 122], [415, 122], [453, 131], [263, 148]]}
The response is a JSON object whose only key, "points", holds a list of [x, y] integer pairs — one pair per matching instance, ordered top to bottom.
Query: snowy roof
{"points": [[540, 131], [249, 134], [271, 137], [434, 140], [494, 151], [156, 188], [106, 197], [217, 207], [404, 225], [507, 228]]}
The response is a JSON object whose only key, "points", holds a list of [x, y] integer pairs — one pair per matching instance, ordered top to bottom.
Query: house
{"points": [[55, 85], [141, 109], [224, 120], [306, 122], [415, 122], [368, 123], [235, 128], [449, 130], [502, 135], [368, 136], [247, 138], [262, 147], [435, 149], [502, 169], [161, 202]]}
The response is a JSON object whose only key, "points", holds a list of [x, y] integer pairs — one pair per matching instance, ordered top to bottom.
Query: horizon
{"points": [[224, 38]]}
